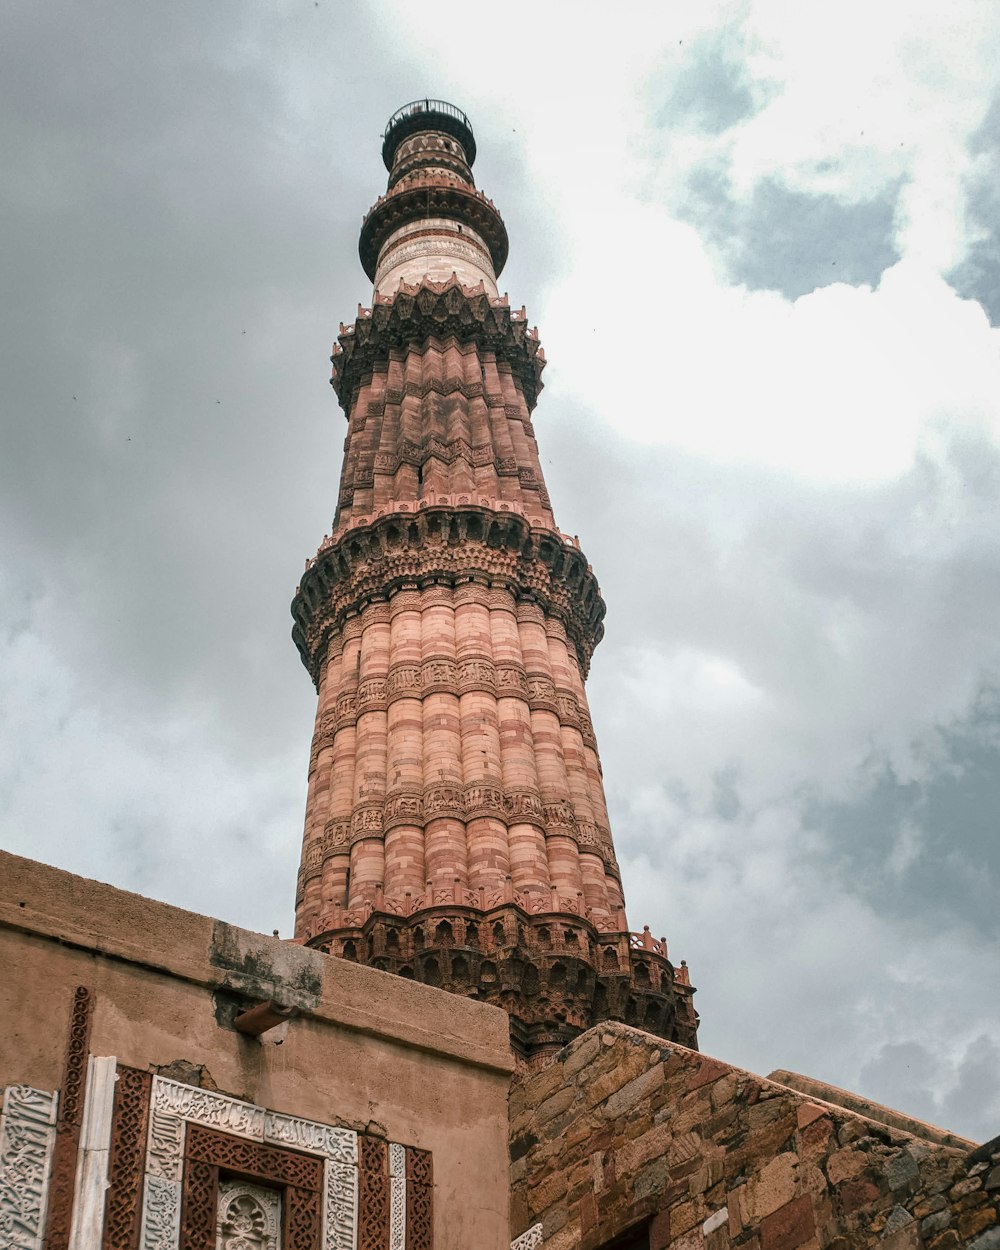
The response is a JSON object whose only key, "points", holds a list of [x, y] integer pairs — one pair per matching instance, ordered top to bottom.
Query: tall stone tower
{"points": [[456, 827]]}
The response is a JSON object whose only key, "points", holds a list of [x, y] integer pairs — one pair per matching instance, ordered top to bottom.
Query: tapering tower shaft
{"points": [[456, 824]]}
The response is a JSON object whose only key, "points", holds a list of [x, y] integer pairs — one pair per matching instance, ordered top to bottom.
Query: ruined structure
{"points": [[456, 827], [172, 1082]]}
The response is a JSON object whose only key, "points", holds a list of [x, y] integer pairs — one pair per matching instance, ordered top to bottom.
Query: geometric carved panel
{"points": [[128, 1159], [300, 1178], [373, 1185], [62, 1186], [419, 1199]]}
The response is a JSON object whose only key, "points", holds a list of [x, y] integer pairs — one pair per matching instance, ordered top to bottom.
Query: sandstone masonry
{"points": [[626, 1137]]}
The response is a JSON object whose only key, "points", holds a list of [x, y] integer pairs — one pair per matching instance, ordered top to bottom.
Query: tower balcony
{"points": [[427, 114]]}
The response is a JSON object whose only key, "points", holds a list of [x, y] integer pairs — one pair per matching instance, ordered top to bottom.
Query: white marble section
{"points": [[435, 248], [228, 1115], [27, 1139], [339, 1144], [397, 1196], [340, 1201], [161, 1214], [87, 1226], [531, 1239]]}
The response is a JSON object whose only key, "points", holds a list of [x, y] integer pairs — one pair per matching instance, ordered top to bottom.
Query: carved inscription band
{"points": [[439, 674], [374, 817], [27, 1142]]}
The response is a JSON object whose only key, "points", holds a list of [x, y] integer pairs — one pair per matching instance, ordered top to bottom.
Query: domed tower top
{"points": [[431, 223]]}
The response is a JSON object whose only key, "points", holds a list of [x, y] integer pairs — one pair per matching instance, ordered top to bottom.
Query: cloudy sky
{"points": [[760, 241]]}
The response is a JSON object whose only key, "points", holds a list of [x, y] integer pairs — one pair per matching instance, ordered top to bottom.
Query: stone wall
{"points": [[624, 1133]]}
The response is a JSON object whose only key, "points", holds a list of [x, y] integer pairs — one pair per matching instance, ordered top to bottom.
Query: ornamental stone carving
{"points": [[343, 579], [27, 1140]]}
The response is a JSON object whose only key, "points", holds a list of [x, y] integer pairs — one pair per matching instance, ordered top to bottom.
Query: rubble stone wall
{"points": [[625, 1132]]}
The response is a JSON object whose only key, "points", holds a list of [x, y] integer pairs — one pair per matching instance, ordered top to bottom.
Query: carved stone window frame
{"points": [[181, 1115], [299, 1177], [374, 1195]]}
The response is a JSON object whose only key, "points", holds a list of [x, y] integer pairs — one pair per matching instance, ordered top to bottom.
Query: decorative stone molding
{"points": [[431, 195], [439, 311], [445, 545], [436, 675], [375, 815], [472, 942], [27, 1142], [62, 1185], [397, 1197], [87, 1228]]}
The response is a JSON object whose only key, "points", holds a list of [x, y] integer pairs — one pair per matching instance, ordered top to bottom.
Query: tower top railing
{"points": [[427, 106], [442, 115]]}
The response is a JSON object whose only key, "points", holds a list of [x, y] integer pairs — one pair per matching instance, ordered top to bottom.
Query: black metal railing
{"points": [[426, 106]]}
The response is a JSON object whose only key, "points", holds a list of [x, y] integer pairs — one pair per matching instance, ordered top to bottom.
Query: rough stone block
{"points": [[583, 1051], [708, 1070], [623, 1071], [637, 1089], [555, 1105], [807, 1112], [845, 1165], [901, 1171], [650, 1180], [774, 1188], [856, 1194], [899, 1217], [934, 1222], [973, 1222], [790, 1226], [659, 1231], [987, 1240]]}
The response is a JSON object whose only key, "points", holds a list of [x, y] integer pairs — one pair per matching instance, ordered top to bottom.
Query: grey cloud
{"points": [[706, 86], [790, 241], [978, 275], [952, 868], [927, 1081]]}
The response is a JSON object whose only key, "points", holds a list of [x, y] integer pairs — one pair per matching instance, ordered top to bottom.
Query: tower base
{"points": [[554, 973]]}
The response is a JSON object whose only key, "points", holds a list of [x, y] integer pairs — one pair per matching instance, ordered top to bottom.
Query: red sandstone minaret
{"points": [[456, 827]]}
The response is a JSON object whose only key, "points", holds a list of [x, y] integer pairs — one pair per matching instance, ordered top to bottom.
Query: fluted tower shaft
{"points": [[456, 824]]}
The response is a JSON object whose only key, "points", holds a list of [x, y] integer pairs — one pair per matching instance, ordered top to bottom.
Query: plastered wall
{"points": [[367, 1050]]}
